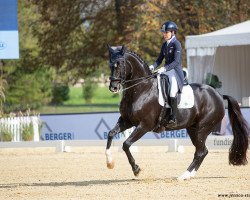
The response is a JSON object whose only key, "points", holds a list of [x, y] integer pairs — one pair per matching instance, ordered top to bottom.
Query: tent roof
{"points": [[238, 34]]}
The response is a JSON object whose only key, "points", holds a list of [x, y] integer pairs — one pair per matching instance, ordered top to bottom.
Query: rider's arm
{"points": [[160, 57]]}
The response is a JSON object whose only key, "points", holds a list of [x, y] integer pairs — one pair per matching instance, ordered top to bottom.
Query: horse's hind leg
{"points": [[120, 126], [198, 139]]}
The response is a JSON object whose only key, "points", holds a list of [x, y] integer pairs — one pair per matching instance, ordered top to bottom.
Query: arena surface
{"points": [[41, 173]]}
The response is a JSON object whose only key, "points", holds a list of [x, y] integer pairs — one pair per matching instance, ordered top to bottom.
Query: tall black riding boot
{"points": [[164, 87], [173, 105]]}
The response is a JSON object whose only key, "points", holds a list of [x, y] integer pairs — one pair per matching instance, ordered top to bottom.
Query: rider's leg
{"points": [[164, 87], [173, 100], [173, 104]]}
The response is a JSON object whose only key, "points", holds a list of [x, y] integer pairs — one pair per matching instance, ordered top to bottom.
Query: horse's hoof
{"points": [[111, 165], [137, 170], [186, 175]]}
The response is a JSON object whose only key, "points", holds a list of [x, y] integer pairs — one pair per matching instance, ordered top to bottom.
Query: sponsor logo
{"points": [[3, 45], [101, 129], [182, 133], [50, 135], [58, 136], [223, 142]]}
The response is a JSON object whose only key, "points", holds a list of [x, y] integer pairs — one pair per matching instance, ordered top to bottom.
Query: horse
{"points": [[139, 108]]}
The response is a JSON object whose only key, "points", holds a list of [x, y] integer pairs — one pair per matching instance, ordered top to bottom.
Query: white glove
{"points": [[151, 67], [161, 70]]}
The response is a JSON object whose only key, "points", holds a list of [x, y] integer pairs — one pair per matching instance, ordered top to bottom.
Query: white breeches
{"points": [[173, 82]]}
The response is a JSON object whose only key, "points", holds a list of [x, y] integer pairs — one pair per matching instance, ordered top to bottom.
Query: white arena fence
{"points": [[16, 125]]}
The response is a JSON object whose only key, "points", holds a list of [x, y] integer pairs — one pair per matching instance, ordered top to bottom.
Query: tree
{"points": [[74, 34], [63, 37], [28, 90], [60, 93]]}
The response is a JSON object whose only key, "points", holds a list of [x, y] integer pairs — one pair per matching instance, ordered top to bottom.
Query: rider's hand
{"points": [[151, 67], [161, 70]]}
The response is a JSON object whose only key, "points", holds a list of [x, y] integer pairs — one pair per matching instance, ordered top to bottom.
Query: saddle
{"points": [[165, 88], [185, 99]]}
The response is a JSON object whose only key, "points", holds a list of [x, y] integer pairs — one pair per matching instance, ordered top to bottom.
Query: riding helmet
{"points": [[169, 26]]}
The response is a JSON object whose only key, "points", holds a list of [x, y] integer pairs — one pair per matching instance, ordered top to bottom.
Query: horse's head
{"points": [[117, 67], [126, 67]]}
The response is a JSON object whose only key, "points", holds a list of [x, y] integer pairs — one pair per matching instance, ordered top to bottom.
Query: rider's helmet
{"points": [[169, 26]]}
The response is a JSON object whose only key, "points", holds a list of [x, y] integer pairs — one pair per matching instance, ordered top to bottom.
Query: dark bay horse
{"points": [[139, 107]]}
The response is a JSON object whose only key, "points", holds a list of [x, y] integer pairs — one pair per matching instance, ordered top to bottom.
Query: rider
{"points": [[171, 51]]}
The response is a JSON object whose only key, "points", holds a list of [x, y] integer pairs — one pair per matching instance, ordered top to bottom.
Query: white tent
{"points": [[225, 53]]}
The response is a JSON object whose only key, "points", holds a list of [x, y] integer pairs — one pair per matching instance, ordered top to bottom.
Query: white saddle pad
{"points": [[187, 96]]}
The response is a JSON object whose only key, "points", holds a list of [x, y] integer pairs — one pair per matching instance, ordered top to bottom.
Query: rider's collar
{"points": [[172, 39]]}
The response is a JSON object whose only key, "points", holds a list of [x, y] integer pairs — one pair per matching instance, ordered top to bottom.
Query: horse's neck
{"points": [[138, 69], [142, 82]]}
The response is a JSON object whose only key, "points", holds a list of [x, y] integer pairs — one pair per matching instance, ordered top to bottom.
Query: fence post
{"points": [[35, 122], [172, 145]]}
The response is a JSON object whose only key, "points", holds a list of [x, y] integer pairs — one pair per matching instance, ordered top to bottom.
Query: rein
{"points": [[138, 79]]}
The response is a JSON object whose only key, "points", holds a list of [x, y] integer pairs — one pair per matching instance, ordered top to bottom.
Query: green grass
{"points": [[102, 95], [103, 101]]}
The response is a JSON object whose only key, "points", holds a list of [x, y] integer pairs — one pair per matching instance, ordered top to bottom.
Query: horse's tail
{"points": [[238, 150]]}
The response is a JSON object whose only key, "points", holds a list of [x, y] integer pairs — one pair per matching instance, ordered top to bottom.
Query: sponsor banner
{"points": [[9, 42], [92, 126], [95, 126]]}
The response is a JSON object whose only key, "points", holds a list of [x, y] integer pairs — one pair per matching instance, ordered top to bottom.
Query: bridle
{"points": [[113, 64], [122, 79]]}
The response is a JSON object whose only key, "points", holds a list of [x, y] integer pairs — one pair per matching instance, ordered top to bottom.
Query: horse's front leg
{"points": [[120, 126], [136, 135]]}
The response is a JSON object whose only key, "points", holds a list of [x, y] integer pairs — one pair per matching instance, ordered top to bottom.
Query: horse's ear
{"points": [[110, 49], [123, 49]]}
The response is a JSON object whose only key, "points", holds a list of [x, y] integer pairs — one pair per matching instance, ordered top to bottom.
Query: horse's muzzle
{"points": [[115, 85]]}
